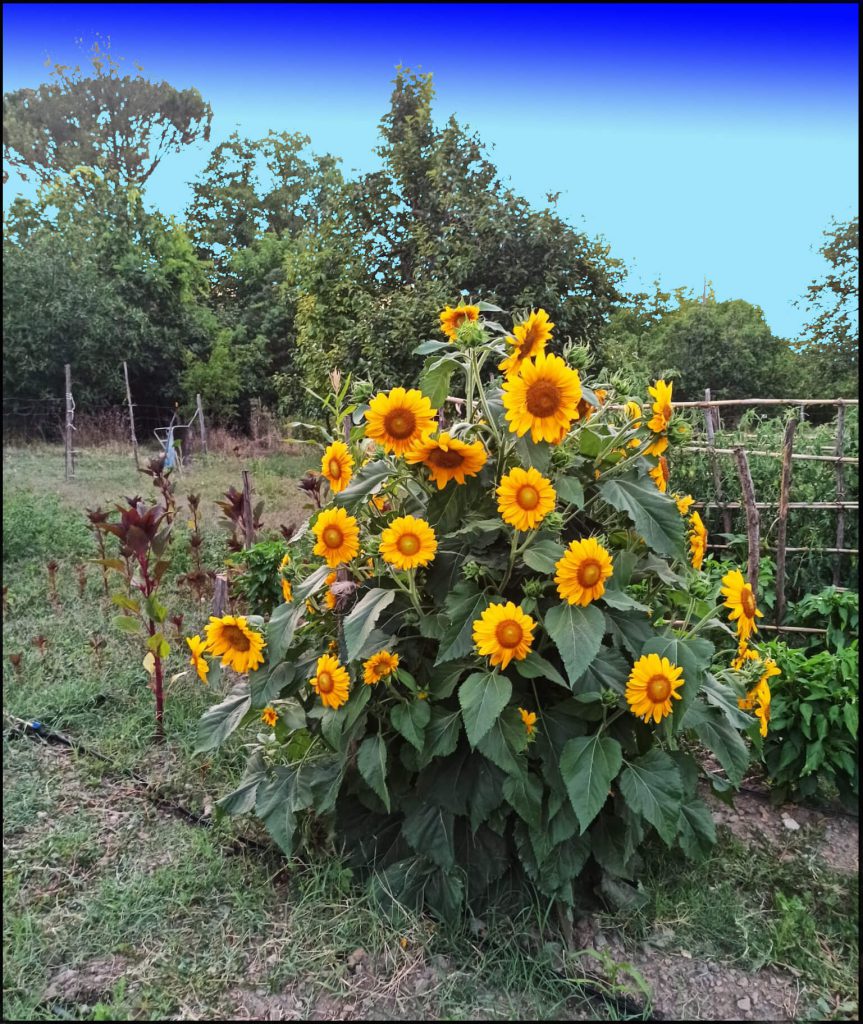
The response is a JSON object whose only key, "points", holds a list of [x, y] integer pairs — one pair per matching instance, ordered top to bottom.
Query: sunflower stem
{"points": [[482, 399], [512, 552]]}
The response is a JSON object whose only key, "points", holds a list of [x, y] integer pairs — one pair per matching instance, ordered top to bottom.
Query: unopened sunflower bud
{"points": [[471, 334], [578, 356], [361, 391], [680, 433], [554, 521], [471, 570], [534, 587]]}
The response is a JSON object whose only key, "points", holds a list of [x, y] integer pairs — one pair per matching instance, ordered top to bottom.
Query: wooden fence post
{"points": [[131, 415], [70, 416], [255, 418], [203, 428], [714, 465], [840, 491], [248, 517], [752, 519], [781, 531], [220, 595]]}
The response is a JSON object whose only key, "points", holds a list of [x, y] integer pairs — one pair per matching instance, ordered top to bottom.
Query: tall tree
{"points": [[122, 125]]}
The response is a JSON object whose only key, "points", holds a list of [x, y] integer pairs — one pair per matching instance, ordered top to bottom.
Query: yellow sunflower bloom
{"points": [[453, 317], [529, 339], [542, 398], [662, 410], [633, 412], [398, 420], [658, 446], [447, 458], [337, 466], [660, 474], [524, 498], [684, 503], [337, 536], [697, 540], [408, 542], [286, 560], [582, 572], [287, 593], [330, 598], [741, 602], [504, 633], [238, 645], [197, 646], [744, 653], [379, 666], [330, 681], [652, 684], [758, 699], [270, 716], [528, 719]]}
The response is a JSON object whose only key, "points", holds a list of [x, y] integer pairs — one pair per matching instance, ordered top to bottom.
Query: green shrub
{"points": [[40, 527], [260, 581]]}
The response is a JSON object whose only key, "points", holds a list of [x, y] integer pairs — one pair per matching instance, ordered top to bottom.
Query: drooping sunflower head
{"points": [[454, 316], [528, 340], [542, 398], [586, 409], [662, 409], [633, 412], [397, 420], [657, 446], [447, 458], [337, 466], [660, 474], [524, 498], [684, 503], [338, 536], [697, 539], [408, 543], [582, 572], [287, 593], [330, 598], [741, 602], [504, 633], [232, 639], [197, 646], [744, 653], [379, 666], [331, 681], [651, 686], [758, 700], [270, 716], [528, 719]]}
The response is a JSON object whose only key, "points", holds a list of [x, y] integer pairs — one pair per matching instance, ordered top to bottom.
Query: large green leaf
{"points": [[435, 377], [533, 454], [364, 482], [570, 490], [447, 509], [654, 514], [543, 555], [310, 584], [463, 606], [363, 617], [280, 630], [630, 630], [577, 632], [693, 655], [534, 666], [608, 670], [267, 683], [482, 697], [723, 697], [411, 719], [219, 721], [441, 734], [719, 736], [504, 742], [372, 763], [589, 764], [652, 787], [524, 794], [242, 799], [279, 799], [429, 830], [697, 830], [444, 894]]}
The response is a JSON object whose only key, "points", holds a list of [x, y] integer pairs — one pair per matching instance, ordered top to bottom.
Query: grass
{"points": [[154, 917]]}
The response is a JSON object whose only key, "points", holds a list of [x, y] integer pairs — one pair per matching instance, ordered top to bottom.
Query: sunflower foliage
{"points": [[463, 692]]}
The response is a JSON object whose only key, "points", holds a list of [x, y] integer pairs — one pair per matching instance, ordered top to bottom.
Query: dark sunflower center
{"points": [[531, 337], [543, 398], [665, 411], [400, 423], [445, 459], [663, 465], [335, 468], [528, 497], [333, 537], [408, 544], [589, 573], [747, 601], [509, 634], [236, 638], [326, 683], [658, 689]]}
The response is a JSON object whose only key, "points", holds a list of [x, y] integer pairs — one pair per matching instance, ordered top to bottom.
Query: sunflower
{"points": [[453, 317], [528, 341], [661, 395], [542, 398], [587, 409], [633, 412], [399, 419], [657, 446], [448, 458], [336, 466], [659, 474], [524, 498], [381, 502], [684, 503], [337, 536], [697, 540], [408, 542], [286, 560], [582, 572], [287, 593], [330, 598], [740, 599], [503, 632], [238, 645], [197, 646], [744, 653], [378, 666], [330, 682], [652, 684], [758, 699], [270, 716], [528, 719]]}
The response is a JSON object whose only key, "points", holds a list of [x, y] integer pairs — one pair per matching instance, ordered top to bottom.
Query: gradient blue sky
{"points": [[700, 139]]}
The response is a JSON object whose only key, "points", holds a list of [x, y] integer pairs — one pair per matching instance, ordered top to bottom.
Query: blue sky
{"points": [[700, 139]]}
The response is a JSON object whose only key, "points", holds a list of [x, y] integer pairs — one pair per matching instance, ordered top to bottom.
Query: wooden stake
{"points": [[131, 415], [70, 416], [201, 425], [714, 466], [840, 492], [248, 517], [752, 518], [782, 527], [220, 595]]}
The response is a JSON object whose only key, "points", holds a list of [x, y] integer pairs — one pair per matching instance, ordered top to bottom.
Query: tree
{"points": [[121, 125], [829, 342]]}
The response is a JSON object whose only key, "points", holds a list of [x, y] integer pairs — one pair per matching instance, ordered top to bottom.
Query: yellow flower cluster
{"points": [[230, 638]]}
